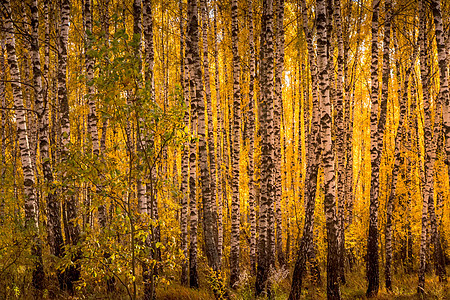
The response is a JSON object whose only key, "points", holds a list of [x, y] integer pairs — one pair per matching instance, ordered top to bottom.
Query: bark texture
{"points": [[196, 96], [443, 98], [384, 99], [265, 106], [277, 109], [400, 135], [340, 136], [220, 138], [251, 141], [376, 143], [428, 145], [208, 157], [184, 158], [312, 166], [30, 194], [235, 203], [55, 238], [72, 273], [333, 290]]}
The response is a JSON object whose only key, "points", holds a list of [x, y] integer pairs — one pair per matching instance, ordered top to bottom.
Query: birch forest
{"points": [[224, 149]]}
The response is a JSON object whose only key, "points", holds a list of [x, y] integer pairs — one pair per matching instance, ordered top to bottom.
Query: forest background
{"points": [[235, 149]]}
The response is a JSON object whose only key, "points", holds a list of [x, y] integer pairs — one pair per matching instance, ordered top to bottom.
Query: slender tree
{"points": [[89, 61], [27, 80], [196, 96], [443, 98], [384, 99], [277, 109], [92, 115], [4, 133], [340, 135], [399, 136], [220, 139], [251, 140], [376, 142], [140, 143], [428, 144], [184, 158], [312, 166], [208, 192], [151, 198], [31, 205], [235, 205], [55, 238], [265, 255], [72, 273], [333, 291]]}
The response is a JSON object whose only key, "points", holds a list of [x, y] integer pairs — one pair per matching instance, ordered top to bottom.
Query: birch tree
{"points": [[195, 90], [443, 98], [277, 109], [266, 132], [251, 140], [376, 144], [184, 157], [312, 159], [208, 176], [29, 190], [235, 204], [54, 209], [333, 290]]}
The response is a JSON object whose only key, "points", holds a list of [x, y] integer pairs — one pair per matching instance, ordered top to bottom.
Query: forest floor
{"points": [[404, 288]]}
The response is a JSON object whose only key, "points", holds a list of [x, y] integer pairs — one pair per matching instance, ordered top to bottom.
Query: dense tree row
{"points": [[151, 142]]}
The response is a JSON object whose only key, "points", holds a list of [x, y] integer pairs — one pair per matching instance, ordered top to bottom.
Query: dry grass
{"points": [[404, 287], [179, 292]]}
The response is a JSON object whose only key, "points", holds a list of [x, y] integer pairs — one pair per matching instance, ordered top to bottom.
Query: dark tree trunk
{"points": [[376, 143], [265, 254]]}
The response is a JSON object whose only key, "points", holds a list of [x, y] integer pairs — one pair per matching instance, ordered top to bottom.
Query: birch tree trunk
{"points": [[103, 7], [46, 9], [105, 19], [89, 61], [195, 92], [443, 98], [384, 99], [28, 100], [278, 100], [92, 115], [350, 116], [4, 129], [266, 132], [400, 135], [340, 137], [251, 138], [220, 141], [140, 143], [376, 143], [413, 143], [430, 158], [184, 159], [312, 167], [428, 188], [209, 190], [151, 198], [31, 205], [235, 205], [55, 238], [72, 274], [333, 291]]}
